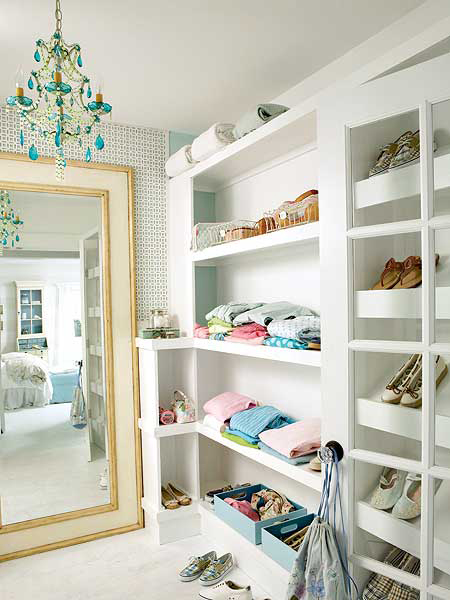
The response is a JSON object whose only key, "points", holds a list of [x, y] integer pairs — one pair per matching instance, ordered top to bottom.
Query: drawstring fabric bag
{"points": [[78, 418], [320, 570]]}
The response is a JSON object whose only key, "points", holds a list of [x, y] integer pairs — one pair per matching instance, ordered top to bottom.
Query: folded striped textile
{"points": [[258, 116], [212, 140], [180, 162], [255, 420]]}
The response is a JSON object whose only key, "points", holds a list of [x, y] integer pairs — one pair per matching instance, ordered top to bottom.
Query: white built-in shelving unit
{"points": [[278, 162]]}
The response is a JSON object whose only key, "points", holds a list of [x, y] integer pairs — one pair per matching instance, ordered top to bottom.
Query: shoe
{"points": [[408, 150], [386, 155], [390, 276], [411, 276], [396, 387], [412, 396], [315, 464], [389, 489], [179, 496], [168, 500], [410, 502], [196, 566], [217, 570], [379, 586], [227, 590]]}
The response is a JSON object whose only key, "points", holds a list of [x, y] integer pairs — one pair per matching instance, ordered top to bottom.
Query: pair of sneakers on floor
{"points": [[211, 570]]}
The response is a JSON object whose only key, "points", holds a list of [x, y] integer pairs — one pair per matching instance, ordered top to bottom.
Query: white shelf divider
{"points": [[269, 242], [399, 304]]}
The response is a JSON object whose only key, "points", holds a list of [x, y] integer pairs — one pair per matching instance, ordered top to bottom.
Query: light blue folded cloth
{"points": [[265, 314], [281, 342], [255, 420], [244, 436], [300, 460]]}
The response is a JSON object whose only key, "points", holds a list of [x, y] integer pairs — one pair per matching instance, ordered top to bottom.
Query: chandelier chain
{"points": [[58, 17]]}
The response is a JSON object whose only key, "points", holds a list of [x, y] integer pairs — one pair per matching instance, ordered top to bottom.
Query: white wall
{"points": [[52, 271]]}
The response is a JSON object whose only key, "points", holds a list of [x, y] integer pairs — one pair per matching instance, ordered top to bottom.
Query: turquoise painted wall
{"points": [[177, 140]]}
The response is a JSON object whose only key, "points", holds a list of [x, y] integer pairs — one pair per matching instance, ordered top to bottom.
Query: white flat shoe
{"points": [[397, 385], [412, 396], [389, 489], [409, 505], [227, 590]]}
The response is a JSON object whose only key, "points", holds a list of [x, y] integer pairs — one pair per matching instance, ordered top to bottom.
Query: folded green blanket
{"points": [[239, 440]]}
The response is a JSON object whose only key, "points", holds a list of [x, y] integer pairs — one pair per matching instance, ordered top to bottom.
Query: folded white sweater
{"points": [[211, 141], [180, 162]]}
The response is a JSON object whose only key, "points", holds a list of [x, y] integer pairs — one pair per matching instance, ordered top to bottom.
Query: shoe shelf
{"points": [[401, 183], [259, 245], [399, 304], [309, 358], [399, 420], [302, 474], [403, 534]]}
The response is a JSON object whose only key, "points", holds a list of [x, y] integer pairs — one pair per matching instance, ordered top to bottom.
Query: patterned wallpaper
{"points": [[145, 150]]}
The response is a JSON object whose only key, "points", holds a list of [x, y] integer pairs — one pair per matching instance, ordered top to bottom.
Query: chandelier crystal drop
{"points": [[63, 110], [10, 222]]}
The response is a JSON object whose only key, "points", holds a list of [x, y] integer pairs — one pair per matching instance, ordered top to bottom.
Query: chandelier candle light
{"points": [[60, 112], [10, 222]]}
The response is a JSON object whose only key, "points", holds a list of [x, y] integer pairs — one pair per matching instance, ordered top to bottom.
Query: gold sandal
{"points": [[390, 276], [179, 495], [168, 500]]}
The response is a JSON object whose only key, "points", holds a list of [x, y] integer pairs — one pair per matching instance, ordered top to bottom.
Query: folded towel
{"points": [[262, 113], [212, 140], [180, 162], [274, 311], [228, 312], [217, 321], [300, 328], [249, 331], [201, 332], [259, 341], [281, 342], [225, 405], [255, 420], [213, 423], [248, 438], [239, 440], [295, 440], [300, 460]]}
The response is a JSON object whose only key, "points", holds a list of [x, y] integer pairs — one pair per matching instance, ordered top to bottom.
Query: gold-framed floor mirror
{"points": [[70, 467]]}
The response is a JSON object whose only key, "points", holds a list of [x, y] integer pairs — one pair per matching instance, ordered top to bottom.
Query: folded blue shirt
{"points": [[255, 420], [244, 436], [300, 460]]}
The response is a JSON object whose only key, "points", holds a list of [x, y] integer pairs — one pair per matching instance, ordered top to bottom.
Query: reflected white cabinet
{"points": [[30, 302]]}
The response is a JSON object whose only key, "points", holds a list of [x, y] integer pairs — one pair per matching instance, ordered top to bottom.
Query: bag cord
{"points": [[336, 505]]}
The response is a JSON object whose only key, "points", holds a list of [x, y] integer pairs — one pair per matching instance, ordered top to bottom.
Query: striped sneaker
{"points": [[196, 566]]}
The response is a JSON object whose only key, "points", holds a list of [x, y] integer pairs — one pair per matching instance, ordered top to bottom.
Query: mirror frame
{"points": [[104, 196]]}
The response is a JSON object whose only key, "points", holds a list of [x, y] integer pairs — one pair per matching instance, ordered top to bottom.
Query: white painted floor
{"points": [[43, 465], [123, 567]]}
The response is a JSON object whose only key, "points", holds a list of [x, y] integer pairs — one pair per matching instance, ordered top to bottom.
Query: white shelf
{"points": [[287, 133], [401, 183], [261, 244], [94, 273], [399, 304], [94, 312], [175, 344], [95, 350], [299, 357], [96, 388], [175, 429], [301, 473], [400, 533]]}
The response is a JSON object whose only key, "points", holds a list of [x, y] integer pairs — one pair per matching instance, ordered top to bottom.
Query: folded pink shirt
{"points": [[201, 331], [250, 331], [252, 342], [225, 405], [294, 440], [244, 507]]}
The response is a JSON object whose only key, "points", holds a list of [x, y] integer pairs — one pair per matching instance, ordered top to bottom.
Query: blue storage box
{"points": [[244, 525], [277, 549]]}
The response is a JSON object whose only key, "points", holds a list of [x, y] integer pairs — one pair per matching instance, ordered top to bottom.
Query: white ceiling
{"points": [[183, 64]]}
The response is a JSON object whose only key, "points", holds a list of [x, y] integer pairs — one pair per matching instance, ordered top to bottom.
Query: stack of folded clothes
{"points": [[282, 324], [220, 409], [249, 424], [296, 443]]}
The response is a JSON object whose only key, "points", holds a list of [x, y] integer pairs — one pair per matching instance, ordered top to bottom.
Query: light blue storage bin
{"points": [[251, 530], [278, 550]]}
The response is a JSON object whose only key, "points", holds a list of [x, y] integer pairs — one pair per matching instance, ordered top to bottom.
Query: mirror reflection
{"points": [[54, 434]]}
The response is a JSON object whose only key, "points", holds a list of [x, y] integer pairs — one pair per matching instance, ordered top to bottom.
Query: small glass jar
{"points": [[159, 318], [151, 319]]}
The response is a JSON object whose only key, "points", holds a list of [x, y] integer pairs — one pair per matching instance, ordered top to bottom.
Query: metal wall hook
{"points": [[326, 454]]}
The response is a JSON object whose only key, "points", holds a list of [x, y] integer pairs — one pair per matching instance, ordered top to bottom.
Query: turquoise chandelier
{"points": [[64, 110], [10, 223]]}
